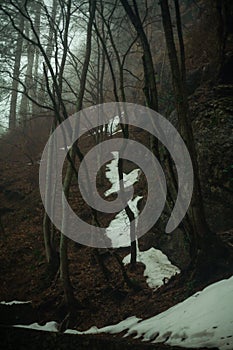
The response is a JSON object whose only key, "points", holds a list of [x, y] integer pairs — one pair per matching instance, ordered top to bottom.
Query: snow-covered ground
{"points": [[113, 126], [112, 176], [119, 228], [157, 266], [14, 302], [203, 320], [48, 327]]}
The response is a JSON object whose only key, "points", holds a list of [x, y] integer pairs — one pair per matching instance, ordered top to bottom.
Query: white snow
{"points": [[113, 125], [66, 148], [112, 176], [119, 228], [157, 266], [13, 302], [203, 320], [48, 327], [120, 327]]}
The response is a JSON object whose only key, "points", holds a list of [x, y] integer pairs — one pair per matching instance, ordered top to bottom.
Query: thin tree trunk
{"points": [[16, 72], [28, 82], [150, 88], [35, 108], [201, 230], [50, 250], [64, 266]]}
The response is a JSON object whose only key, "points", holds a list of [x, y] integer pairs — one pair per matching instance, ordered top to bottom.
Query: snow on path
{"points": [[113, 177], [119, 228], [157, 266], [14, 302], [203, 320], [48, 327]]}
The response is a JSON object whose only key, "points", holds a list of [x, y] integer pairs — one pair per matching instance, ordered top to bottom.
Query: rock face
{"points": [[194, 79], [211, 112], [212, 121], [174, 245]]}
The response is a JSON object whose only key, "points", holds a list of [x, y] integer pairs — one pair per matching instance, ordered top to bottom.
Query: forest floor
{"points": [[25, 276]]}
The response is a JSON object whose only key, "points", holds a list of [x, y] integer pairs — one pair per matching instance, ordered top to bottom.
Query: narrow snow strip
{"points": [[113, 125], [65, 148], [112, 176], [119, 228], [157, 264], [157, 267], [14, 302], [203, 320], [48, 327], [118, 328]]}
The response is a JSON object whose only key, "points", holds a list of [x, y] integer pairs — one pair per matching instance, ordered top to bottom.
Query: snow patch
{"points": [[113, 125], [119, 228], [157, 266], [14, 302], [203, 320], [48, 327], [120, 327]]}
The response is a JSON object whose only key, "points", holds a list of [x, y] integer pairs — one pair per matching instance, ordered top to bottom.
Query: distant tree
{"points": [[223, 10], [54, 49], [15, 75]]}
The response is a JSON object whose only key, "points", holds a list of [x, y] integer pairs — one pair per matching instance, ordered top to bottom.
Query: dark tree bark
{"points": [[16, 71], [150, 88], [24, 109], [205, 244], [64, 266]]}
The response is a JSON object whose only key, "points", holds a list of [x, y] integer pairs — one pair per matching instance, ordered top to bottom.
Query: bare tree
{"points": [[54, 55], [15, 76], [205, 244]]}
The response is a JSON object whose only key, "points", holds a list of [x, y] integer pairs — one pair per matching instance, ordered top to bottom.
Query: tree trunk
{"points": [[16, 71], [28, 82], [150, 89], [35, 108], [205, 245], [50, 250], [64, 266]]}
